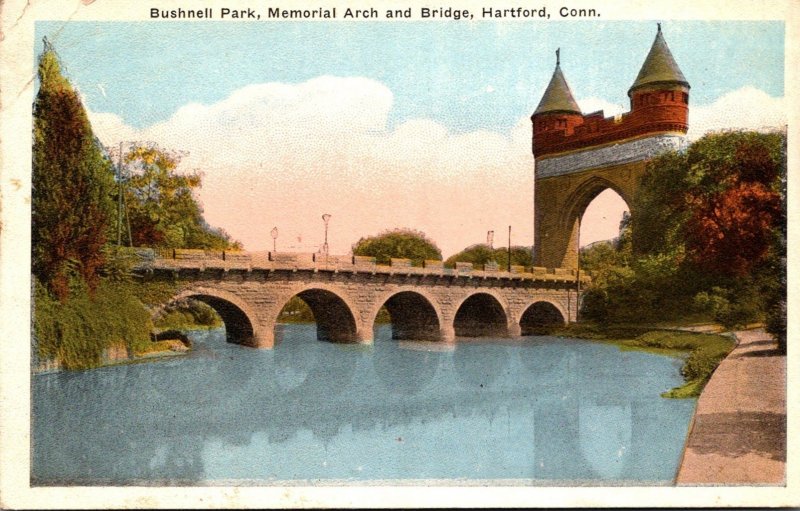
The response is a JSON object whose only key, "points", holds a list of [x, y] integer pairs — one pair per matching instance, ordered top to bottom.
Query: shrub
{"points": [[76, 332]]}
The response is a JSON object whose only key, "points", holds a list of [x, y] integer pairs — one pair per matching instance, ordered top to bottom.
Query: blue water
{"points": [[540, 410]]}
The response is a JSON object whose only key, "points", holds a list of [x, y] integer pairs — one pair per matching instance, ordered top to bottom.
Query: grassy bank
{"points": [[108, 326], [78, 331], [702, 352]]}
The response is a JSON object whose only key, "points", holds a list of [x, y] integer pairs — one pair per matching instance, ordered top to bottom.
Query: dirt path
{"points": [[739, 430]]}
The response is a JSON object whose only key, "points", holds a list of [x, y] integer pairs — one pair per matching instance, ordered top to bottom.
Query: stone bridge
{"points": [[345, 293]]}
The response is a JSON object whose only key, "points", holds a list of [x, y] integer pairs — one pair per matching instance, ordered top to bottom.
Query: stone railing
{"points": [[188, 259]]}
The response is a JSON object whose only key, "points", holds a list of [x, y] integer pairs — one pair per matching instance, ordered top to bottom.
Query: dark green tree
{"points": [[71, 185], [717, 204], [705, 238], [399, 243], [480, 254]]}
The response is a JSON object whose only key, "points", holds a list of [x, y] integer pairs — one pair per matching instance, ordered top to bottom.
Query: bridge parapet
{"points": [[201, 260]]}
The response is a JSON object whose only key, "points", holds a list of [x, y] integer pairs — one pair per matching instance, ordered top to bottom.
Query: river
{"points": [[536, 410]]}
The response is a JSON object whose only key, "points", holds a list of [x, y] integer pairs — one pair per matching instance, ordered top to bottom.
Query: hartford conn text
{"points": [[442, 12]]}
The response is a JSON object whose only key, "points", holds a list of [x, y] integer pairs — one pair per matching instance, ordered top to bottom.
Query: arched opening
{"points": [[590, 214], [602, 217], [481, 315], [412, 317], [539, 318], [334, 319], [238, 327]]}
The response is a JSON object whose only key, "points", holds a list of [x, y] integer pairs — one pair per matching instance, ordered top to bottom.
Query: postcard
{"points": [[398, 254]]}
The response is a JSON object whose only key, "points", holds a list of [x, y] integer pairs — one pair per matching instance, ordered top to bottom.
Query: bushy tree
{"points": [[71, 181], [733, 200], [161, 205], [705, 237], [398, 243], [480, 254]]}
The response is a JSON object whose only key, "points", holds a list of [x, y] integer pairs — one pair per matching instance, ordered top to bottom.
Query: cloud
{"points": [[590, 105], [745, 108], [278, 154]]}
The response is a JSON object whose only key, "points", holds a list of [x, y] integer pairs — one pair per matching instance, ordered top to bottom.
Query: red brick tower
{"points": [[578, 156]]}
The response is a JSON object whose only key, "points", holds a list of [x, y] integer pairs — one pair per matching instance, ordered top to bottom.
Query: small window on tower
{"points": [[685, 98]]}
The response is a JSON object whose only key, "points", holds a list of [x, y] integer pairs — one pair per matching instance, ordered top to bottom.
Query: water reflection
{"points": [[393, 365], [542, 409], [605, 437]]}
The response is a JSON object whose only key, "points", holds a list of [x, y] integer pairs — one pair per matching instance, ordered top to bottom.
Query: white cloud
{"points": [[590, 105], [745, 108]]}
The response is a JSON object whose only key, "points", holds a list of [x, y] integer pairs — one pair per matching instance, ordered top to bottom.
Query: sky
{"points": [[420, 124]]}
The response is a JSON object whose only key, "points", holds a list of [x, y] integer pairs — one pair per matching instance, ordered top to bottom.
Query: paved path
{"points": [[739, 430]]}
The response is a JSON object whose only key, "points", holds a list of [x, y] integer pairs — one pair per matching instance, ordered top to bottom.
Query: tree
{"points": [[71, 182], [734, 200], [716, 204], [162, 208], [706, 233], [398, 243], [480, 254]]}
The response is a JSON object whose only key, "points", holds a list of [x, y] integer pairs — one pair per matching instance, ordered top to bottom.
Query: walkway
{"points": [[739, 430]]}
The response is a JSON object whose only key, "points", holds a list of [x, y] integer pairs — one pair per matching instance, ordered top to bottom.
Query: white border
{"points": [[16, 83]]}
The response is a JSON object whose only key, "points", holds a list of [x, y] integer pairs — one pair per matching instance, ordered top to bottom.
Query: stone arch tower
{"points": [[578, 156]]}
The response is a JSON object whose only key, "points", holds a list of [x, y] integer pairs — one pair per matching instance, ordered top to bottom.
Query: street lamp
{"points": [[326, 218], [274, 234], [490, 239], [509, 248]]}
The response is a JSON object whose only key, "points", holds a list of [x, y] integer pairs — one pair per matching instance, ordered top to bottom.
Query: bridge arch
{"points": [[334, 312], [483, 313], [415, 314], [540, 314], [241, 323]]}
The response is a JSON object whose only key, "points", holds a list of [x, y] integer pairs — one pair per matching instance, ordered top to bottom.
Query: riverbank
{"points": [[701, 351], [119, 355], [738, 435]]}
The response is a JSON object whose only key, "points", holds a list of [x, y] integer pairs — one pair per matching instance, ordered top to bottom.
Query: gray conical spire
{"points": [[659, 67], [557, 97]]}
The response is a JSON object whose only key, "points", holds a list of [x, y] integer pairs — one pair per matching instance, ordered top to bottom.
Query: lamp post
{"points": [[326, 218], [274, 234], [490, 239], [509, 248]]}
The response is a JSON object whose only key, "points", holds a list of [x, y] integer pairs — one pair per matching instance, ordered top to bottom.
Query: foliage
{"points": [[71, 182], [720, 200], [162, 208], [732, 232], [705, 238], [398, 243], [481, 254], [119, 263], [153, 293], [731, 307], [296, 311], [187, 314], [78, 330], [705, 353]]}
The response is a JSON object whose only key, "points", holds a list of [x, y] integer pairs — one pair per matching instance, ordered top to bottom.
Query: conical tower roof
{"points": [[659, 67], [557, 97]]}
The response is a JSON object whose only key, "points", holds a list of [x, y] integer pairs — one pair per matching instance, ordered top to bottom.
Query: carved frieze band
{"points": [[611, 154]]}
